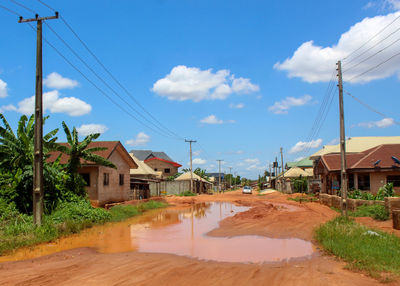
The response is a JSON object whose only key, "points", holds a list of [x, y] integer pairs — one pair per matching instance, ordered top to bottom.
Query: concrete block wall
{"points": [[169, 187]]}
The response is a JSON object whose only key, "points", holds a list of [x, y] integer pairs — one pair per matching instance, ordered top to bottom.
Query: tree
{"points": [[77, 151], [16, 162], [198, 171]]}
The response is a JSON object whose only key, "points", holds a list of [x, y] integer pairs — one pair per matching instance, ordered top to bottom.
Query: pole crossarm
{"points": [[37, 18]]}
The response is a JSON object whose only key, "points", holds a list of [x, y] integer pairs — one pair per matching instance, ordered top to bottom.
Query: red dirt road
{"points": [[267, 216]]}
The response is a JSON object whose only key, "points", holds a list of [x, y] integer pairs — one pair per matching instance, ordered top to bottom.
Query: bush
{"points": [[300, 184], [385, 191], [187, 194], [79, 211], [377, 212], [364, 249]]}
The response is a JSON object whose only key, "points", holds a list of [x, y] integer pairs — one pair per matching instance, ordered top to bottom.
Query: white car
{"points": [[247, 190]]}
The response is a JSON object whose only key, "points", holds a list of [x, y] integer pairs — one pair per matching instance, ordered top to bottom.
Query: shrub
{"points": [[300, 184], [187, 194], [377, 212], [364, 249]]}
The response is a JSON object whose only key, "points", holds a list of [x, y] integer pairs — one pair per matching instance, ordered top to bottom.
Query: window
{"points": [[155, 169], [167, 171], [86, 178], [106, 179], [121, 179], [395, 180], [363, 182]]}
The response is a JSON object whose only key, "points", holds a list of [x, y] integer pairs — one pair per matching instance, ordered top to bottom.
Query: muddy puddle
{"points": [[180, 231]]}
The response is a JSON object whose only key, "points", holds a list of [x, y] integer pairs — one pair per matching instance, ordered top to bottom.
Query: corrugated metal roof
{"points": [[358, 144], [110, 145], [144, 155], [366, 159], [306, 162], [143, 168], [296, 172], [186, 177]]}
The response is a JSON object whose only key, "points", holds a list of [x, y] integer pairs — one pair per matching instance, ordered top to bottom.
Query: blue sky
{"points": [[244, 78]]}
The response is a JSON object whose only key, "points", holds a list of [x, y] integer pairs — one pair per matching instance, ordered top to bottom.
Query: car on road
{"points": [[247, 190]]}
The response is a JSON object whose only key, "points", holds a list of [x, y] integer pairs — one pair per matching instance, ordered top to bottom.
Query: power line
{"points": [[23, 6], [9, 10], [363, 45], [373, 46], [373, 55], [374, 67], [112, 76], [103, 81], [92, 83], [369, 107]]}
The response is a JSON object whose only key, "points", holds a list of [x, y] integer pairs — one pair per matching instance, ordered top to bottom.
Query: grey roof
{"points": [[143, 155]]}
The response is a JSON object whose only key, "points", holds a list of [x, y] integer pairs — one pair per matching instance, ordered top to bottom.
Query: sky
{"points": [[242, 78]]}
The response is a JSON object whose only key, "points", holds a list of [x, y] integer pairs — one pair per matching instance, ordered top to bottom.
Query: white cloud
{"points": [[313, 63], [56, 81], [191, 83], [3, 89], [52, 102], [237, 106], [8, 107], [282, 107], [212, 119], [385, 122], [86, 129], [141, 139], [301, 146], [196, 153], [199, 161], [252, 161]]}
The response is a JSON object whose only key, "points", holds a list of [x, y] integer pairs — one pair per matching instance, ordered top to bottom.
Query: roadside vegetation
{"points": [[385, 191], [187, 194], [308, 198], [66, 206], [377, 212], [18, 230], [371, 251]]}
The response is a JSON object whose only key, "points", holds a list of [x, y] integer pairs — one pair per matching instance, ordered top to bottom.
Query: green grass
{"points": [[187, 194], [304, 199], [377, 212], [18, 230], [377, 254]]}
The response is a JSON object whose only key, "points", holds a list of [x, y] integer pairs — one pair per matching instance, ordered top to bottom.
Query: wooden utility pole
{"points": [[343, 166], [283, 168], [191, 169], [219, 175], [230, 178], [38, 192]]}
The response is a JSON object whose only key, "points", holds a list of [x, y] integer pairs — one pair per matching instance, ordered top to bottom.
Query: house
{"points": [[158, 161], [304, 164], [367, 170], [140, 179], [284, 182], [103, 184], [200, 185]]}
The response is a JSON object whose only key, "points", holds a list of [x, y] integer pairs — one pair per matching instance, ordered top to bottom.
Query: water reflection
{"points": [[180, 231]]}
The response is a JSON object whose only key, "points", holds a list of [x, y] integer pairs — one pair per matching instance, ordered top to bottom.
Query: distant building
{"points": [[158, 161]]}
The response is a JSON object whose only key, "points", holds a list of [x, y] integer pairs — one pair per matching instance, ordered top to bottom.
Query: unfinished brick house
{"points": [[158, 161], [367, 171], [103, 184]]}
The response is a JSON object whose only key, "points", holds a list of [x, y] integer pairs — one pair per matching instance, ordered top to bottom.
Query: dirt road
{"points": [[271, 215]]}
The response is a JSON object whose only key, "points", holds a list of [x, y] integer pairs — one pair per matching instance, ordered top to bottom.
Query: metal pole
{"points": [[343, 166], [283, 168], [38, 192]]}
